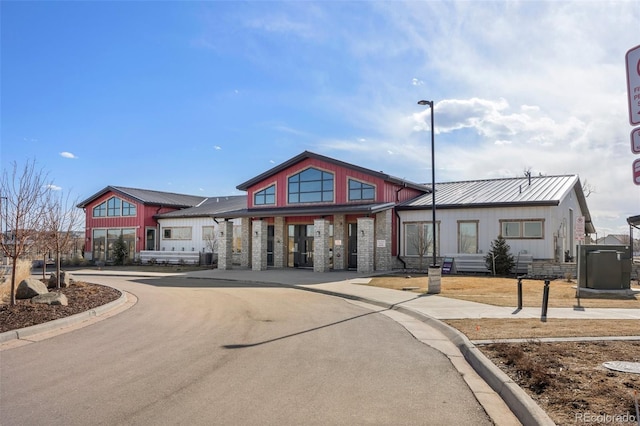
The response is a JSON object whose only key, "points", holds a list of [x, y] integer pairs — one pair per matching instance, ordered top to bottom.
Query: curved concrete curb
{"points": [[23, 333], [522, 405]]}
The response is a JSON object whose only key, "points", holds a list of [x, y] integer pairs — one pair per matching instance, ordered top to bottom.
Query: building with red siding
{"points": [[128, 212], [316, 212]]}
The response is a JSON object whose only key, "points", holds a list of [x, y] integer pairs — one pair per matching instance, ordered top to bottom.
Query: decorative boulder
{"points": [[65, 280], [29, 288], [52, 298]]}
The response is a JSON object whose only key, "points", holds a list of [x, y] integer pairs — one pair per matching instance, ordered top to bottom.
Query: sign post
{"points": [[633, 84], [635, 141], [636, 172]]}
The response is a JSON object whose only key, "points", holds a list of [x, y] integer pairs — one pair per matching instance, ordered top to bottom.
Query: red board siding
{"points": [[385, 191], [144, 218]]}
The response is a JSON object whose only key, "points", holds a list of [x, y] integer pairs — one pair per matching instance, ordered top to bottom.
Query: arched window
{"points": [[310, 186]]}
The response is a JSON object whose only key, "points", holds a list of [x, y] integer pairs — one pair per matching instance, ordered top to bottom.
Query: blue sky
{"points": [[198, 97]]}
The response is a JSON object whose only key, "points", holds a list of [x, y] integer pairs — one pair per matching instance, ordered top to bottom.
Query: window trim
{"points": [[361, 189], [322, 191], [257, 193], [477, 223], [521, 225], [170, 233], [406, 238]]}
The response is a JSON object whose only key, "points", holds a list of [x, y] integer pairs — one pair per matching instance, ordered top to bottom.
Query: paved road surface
{"points": [[207, 352]]}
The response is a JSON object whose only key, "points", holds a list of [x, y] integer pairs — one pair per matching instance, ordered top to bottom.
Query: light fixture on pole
{"points": [[433, 181], [434, 269]]}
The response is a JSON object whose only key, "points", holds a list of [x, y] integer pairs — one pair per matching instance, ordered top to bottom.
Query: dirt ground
{"points": [[566, 379]]}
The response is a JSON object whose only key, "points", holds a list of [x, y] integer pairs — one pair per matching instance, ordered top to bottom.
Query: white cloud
{"points": [[217, 148], [66, 154], [53, 187]]}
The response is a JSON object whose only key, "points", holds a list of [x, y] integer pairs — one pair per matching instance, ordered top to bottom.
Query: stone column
{"points": [[259, 236], [340, 239], [383, 241], [245, 243], [279, 243], [225, 245], [321, 245], [366, 246]]}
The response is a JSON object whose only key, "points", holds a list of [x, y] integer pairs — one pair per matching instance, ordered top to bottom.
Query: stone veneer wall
{"points": [[339, 235], [383, 241], [245, 243], [225, 245], [321, 245], [366, 245], [279, 247], [259, 249]]}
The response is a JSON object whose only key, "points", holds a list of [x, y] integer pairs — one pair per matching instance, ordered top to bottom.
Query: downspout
{"points": [[404, 264]]}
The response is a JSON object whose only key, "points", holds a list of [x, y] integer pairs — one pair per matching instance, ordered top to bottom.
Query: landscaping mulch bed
{"points": [[81, 297]]}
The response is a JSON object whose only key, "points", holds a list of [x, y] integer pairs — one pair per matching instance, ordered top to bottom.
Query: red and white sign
{"points": [[633, 84], [635, 141], [636, 172], [579, 228]]}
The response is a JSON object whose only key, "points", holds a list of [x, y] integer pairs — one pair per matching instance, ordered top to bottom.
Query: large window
{"points": [[311, 186], [361, 191], [266, 196], [114, 207], [522, 228], [176, 233], [468, 237], [418, 239], [104, 240]]}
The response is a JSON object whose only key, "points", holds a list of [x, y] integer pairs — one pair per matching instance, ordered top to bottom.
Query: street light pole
{"points": [[433, 182], [434, 269]]}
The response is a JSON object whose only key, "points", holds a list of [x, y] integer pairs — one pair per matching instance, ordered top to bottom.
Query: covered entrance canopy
{"points": [[321, 237]]}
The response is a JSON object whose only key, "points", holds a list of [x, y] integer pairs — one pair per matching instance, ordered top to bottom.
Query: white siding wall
{"points": [[489, 226], [564, 227], [196, 243]]}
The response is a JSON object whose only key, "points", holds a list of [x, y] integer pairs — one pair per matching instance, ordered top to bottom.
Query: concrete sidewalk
{"points": [[353, 284]]}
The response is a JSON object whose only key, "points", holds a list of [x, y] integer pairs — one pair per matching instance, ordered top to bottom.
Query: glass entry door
{"points": [[301, 246], [353, 246]]}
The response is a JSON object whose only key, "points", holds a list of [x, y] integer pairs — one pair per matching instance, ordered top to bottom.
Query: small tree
{"points": [[23, 197], [60, 220], [421, 240], [120, 251], [500, 256]]}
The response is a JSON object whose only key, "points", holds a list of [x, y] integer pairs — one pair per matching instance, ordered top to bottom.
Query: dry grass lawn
{"points": [[503, 292]]}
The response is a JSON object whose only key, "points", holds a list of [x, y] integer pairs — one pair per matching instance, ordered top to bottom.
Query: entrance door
{"points": [[270, 234], [150, 243], [302, 245], [353, 246]]}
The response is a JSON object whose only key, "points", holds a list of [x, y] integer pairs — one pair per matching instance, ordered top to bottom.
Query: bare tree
{"points": [[587, 188], [23, 193], [61, 219], [421, 240]]}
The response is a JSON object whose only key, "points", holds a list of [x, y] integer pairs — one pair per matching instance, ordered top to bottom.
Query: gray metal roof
{"points": [[307, 154], [517, 191], [496, 192], [147, 196], [211, 207], [310, 210]]}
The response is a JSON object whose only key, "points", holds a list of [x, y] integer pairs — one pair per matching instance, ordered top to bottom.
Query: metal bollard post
{"points": [[520, 293], [545, 301]]}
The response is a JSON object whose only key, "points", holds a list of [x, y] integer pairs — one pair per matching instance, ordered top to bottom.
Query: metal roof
{"points": [[307, 154], [506, 192], [147, 196], [211, 207], [326, 210]]}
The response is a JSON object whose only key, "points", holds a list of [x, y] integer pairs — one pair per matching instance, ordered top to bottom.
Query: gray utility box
{"points": [[605, 267]]}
